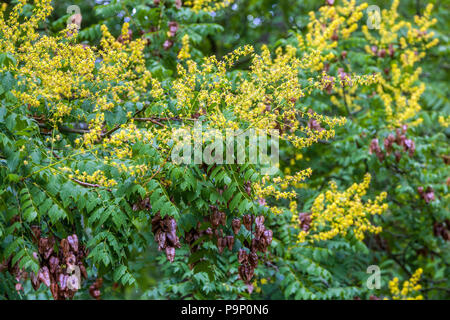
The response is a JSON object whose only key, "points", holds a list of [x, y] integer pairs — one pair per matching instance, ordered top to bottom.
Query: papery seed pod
{"points": [[178, 4], [173, 28], [382, 53], [388, 143], [398, 156], [223, 218], [215, 219], [247, 220], [259, 220], [305, 221], [236, 225], [268, 236], [160, 238], [73, 241], [230, 242], [221, 244], [65, 247], [170, 253], [242, 256], [253, 259], [54, 264], [44, 276], [63, 281], [35, 282], [54, 290]]}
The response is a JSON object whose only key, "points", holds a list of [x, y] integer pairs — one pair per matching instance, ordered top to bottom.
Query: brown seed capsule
{"points": [[247, 220], [236, 225], [73, 241], [230, 242], [170, 253], [242, 256], [253, 259], [44, 276]]}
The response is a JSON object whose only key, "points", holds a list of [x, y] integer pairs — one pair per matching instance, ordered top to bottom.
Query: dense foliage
{"points": [[93, 205]]}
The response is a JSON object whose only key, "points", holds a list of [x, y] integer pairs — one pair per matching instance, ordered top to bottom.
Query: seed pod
{"points": [[173, 28], [223, 218], [215, 219], [247, 220], [305, 221], [259, 223], [236, 225], [268, 236], [160, 238], [73, 241], [230, 242], [221, 244], [64, 247], [170, 253], [242, 256], [253, 259], [54, 264], [44, 276], [63, 280], [35, 281], [54, 290]]}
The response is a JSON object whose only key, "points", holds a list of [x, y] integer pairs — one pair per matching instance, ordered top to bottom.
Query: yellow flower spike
{"points": [[335, 213]]}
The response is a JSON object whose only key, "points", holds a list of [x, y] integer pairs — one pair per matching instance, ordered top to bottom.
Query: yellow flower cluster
{"points": [[208, 5], [330, 24], [184, 52], [401, 95], [444, 121], [98, 177], [262, 191], [336, 213], [409, 289]]}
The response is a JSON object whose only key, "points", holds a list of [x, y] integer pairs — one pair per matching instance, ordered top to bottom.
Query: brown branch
{"points": [[149, 120], [86, 184]]}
